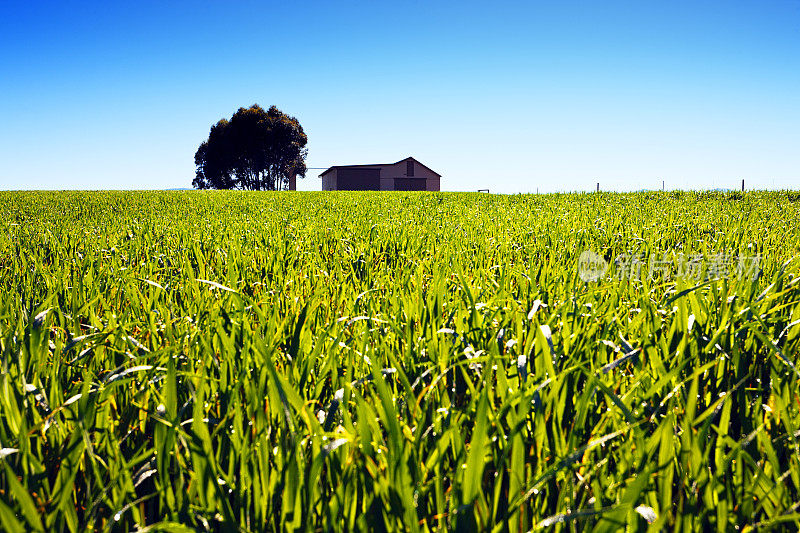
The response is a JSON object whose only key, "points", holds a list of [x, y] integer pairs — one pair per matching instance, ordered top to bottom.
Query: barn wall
{"points": [[421, 172], [329, 181]]}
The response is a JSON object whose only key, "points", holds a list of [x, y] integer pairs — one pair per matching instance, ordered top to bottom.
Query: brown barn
{"points": [[406, 175]]}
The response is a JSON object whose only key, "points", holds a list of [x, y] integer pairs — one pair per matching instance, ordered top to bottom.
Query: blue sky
{"points": [[510, 96]]}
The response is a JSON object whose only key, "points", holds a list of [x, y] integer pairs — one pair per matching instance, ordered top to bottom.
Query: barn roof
{"points": [[380, 165]]}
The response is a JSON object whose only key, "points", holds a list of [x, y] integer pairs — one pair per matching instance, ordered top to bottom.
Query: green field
{"points": [[398, 361]]}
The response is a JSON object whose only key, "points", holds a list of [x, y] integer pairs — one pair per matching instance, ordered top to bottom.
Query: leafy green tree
{"points": [[254, 150]]}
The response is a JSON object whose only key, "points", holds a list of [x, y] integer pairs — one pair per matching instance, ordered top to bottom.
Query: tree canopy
{"points": [[254, 150]]}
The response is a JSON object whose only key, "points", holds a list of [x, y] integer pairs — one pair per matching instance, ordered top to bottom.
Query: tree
{"points": [[254, 150]]}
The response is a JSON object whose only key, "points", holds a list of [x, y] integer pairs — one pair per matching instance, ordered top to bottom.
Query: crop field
{"points": [[187, 361]]}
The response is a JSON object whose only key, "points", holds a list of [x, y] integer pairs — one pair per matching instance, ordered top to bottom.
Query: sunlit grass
{"points": [[414, 361]]}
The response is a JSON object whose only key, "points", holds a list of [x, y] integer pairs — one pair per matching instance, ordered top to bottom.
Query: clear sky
{"points": [[510, 96]]}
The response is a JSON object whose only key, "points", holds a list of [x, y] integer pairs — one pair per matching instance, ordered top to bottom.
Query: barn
{"points": [[406, 175]]}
